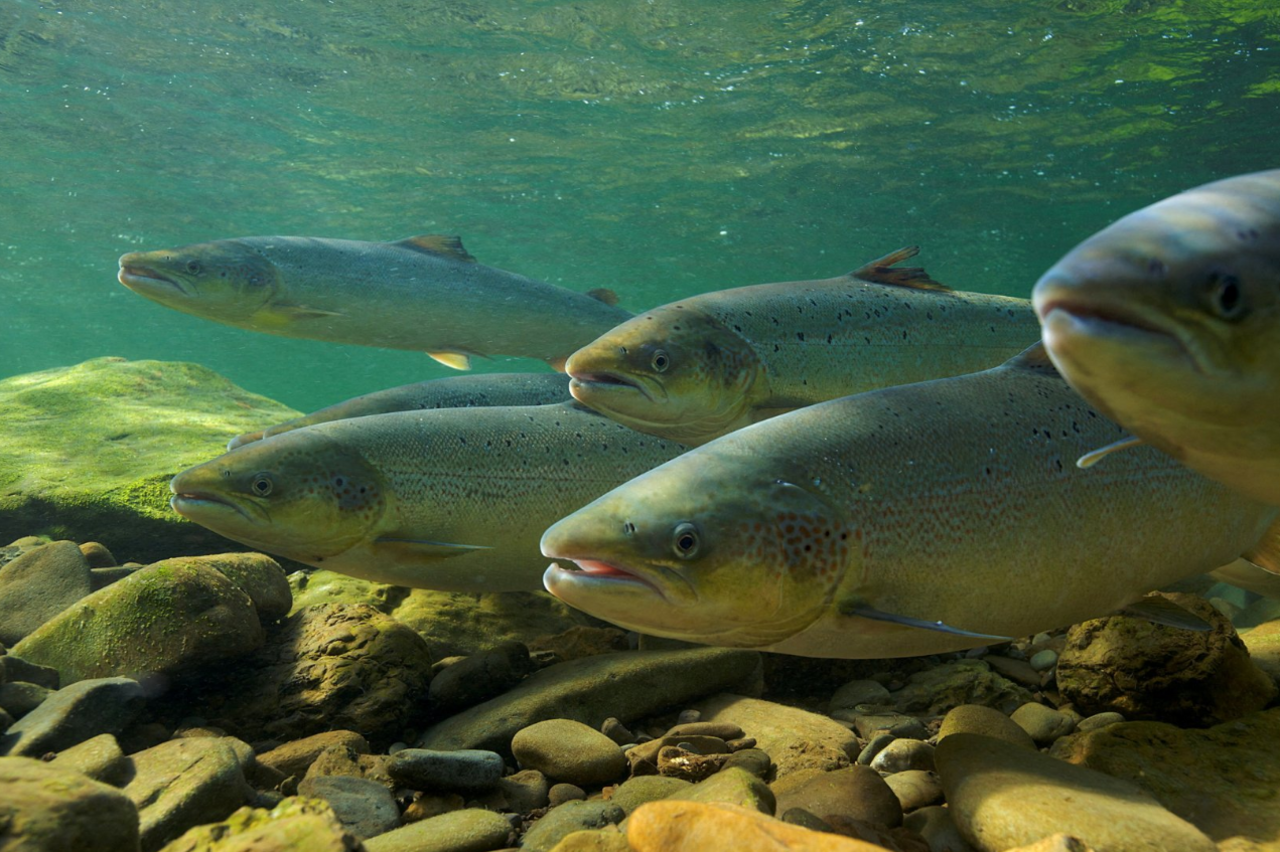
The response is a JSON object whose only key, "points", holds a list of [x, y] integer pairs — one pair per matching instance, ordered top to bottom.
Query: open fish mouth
{"points": [[133, 276], [1092, 313], [604, 383], [184, 502], [598, 570]]}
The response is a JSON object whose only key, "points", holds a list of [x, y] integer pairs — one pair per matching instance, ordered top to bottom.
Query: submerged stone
{"points": [[87, 452], [38, 585], [74, 714], [183, 783], [52, 808], [294, 824]]}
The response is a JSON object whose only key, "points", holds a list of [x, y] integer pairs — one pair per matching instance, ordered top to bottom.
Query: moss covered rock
{"points": [[87, 452], [164, 619], [47, 808], [295, 823]]}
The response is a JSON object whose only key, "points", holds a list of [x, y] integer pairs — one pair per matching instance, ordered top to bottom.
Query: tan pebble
{"points": [[674, 826]]}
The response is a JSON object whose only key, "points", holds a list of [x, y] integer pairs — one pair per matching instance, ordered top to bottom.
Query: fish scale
{"points": [[465, 492], [978, 519]]}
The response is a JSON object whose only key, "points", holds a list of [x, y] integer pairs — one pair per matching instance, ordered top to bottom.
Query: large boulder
{"points": [[87, 452], [39, 584], [167, 618], [1148, 671], [1225, 780], [50, 808], [294, 824]]}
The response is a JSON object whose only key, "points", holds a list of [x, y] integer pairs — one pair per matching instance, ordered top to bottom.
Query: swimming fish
{"points": [[425, 293], [1168, 321], [701, 367], [479, 390], [452, 499], [911, 520]]}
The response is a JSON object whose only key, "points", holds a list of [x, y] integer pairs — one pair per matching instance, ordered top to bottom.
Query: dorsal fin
{"points": [[439, 245], [878, 271], [604, 294], [1034, 357]]}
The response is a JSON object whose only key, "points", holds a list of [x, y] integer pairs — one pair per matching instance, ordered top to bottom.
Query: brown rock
{"points": [[581, 641], [1151, 672], [988, 721], [795, 739], [294, 758], [1224, 779], [856, 792], [46, 808], [293, 825], [676, 826]]}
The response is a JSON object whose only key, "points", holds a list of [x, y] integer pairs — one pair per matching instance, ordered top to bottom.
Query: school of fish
{"points": [[858, 467]]}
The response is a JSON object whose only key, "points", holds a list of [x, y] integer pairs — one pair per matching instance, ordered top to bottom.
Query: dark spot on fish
{"points": [[1247, 234], [1156, 268], [800, 336], [124, 435]]}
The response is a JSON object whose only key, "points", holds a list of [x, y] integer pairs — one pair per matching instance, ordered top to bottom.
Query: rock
{"points": [[140, 422], [97, 555], [256, 574], [100, 578], [38, 585], [176, 615], [461, 624], [580, 641], [1263, 642], [1044, 660], [344, 666], [14, 668], [1018, 671], [1148, 671], [479, 677], [628, 685], [936, 690], [857, 692], [18, 698], [74, 714], [978, 719], [1098, 721], [1043, 724], [720, 730], [795, 739], [873, 747], [565, 750], [901, 755], [100, 758], [294, 758], [343, 760], [753, 760], [464, 770], [1224, 779], [183, 783], [734, 787], [915, 788], [526, 790], [565, 792], [634, 792], [856, 792], [1003, 796], [50, 808], [365, 808], [566, 819], [935, 825], [291, 826], [675, 826], [469, 830], [593, 840], [1057, 843]]}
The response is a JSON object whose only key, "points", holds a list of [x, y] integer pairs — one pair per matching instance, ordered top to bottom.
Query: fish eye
{"points": [[193, 267], [1227, 296], [660, 360], [261, 484], [685, 540]]}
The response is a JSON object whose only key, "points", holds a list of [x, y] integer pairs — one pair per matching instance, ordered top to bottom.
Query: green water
{"points": [[658, 148]]}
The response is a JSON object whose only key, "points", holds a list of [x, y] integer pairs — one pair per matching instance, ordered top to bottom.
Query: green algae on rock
{"points": [[86, 452], [164, 619], [295, 823]]}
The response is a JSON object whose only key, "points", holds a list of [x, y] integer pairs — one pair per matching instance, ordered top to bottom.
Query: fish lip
{"points": [[131, 274], [1091, 310], [605, 382], [205, 497], [601, 571]]}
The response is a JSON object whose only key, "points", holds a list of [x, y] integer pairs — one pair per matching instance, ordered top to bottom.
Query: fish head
{"points": [[226, 280], [1167, 319], [676, 372], [301, 494], [701, 549]]}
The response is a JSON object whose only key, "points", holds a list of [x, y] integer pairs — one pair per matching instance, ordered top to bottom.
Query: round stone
{"points": [[1044, 660], [977, 719], [1044, 724], [565, 750], [902, 755], [467, 770]]}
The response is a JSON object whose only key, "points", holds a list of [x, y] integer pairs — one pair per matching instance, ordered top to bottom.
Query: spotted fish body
{"points": [[425, 293], [1168, 320], [701, 367], [472, 391], [452, 499], [910, 520]]}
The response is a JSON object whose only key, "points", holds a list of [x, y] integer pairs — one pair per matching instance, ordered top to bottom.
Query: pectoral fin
{"points": [[278, 315], [456, 360], [1091, 458], [409, 548], [1160, 610], [863, 611]]}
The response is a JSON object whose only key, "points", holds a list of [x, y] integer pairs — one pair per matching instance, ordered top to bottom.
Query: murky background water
{"points": [[659, 148]]}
